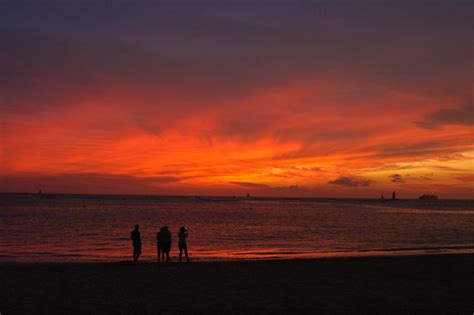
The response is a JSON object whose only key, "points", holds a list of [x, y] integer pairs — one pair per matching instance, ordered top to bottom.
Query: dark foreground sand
{"points": [[410, 284]]}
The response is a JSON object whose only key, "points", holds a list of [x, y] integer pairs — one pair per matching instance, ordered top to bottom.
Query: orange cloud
{"points": [[273, 109]]}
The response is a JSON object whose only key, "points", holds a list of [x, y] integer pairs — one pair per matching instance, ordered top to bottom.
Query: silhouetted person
{"points": [[183, 233], [137, 243], [164, 243]]}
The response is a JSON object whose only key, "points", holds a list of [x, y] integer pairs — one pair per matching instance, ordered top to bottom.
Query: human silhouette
{"points": [[183, 233], [137, 243], [164, 243]]}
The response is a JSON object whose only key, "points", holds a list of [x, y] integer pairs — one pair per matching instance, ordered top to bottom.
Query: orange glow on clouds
{"points": [[332, 100], [266, 143]]}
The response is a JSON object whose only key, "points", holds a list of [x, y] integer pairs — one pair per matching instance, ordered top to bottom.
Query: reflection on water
{"points": [[97, 228]]}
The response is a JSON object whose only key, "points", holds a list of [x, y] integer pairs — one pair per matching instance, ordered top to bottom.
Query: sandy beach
{"points": [[409, 284]]}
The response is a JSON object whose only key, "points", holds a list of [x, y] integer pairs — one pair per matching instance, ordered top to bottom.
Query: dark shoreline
{"points": [[374, 254], [439, 283]]}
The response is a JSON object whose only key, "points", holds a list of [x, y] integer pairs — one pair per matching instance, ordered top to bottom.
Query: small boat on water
{"points": [[428, 197]]}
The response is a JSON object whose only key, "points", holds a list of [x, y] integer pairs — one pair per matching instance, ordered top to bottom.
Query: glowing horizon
{"points": [[323, 100]]}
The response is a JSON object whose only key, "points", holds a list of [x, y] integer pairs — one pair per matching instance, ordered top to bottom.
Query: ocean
{"points": [[88, 228]]}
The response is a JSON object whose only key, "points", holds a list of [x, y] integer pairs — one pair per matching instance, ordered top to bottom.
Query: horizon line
{"points": [[214, 196]]}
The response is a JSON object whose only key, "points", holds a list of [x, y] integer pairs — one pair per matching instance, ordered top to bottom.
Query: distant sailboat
{"points": [[248, 195], [382, 197], [394, 197]]}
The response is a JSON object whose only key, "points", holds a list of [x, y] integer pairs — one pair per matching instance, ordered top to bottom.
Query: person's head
{"points": [[136, 227], [182, 229]]}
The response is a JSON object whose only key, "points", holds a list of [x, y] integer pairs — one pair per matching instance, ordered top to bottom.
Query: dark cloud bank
{"points": [[462, 115], [396, 178], [350, 182], [249, 185]]}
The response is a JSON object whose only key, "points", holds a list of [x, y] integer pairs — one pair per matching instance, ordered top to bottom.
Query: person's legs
{"points": [[158, 250], [180, 252], [186, 253], [137, 254]]}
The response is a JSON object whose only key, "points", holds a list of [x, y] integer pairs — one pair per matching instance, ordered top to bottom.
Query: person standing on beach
{"points": [[183, 233], [137, 243], [164, 243]]}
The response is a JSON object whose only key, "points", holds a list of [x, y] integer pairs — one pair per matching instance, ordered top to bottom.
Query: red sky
{"points": [[327, 100]]}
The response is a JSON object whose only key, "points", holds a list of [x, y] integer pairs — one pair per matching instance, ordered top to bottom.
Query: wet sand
{"points": [[431, 284]]}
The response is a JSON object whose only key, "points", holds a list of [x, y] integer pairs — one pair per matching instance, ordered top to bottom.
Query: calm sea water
{"points": [[97, 228]]}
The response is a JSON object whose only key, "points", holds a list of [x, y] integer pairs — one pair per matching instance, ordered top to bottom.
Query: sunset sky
{"points": [[281, 98]]}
